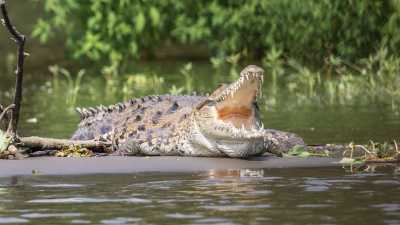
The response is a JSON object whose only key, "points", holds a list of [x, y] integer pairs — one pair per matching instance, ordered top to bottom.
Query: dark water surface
{"points": [[270, 196]]}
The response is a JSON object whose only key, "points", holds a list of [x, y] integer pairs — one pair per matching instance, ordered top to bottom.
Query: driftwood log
{"points": [[40, 143]]}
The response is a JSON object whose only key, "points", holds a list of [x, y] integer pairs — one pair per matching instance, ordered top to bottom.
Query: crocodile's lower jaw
{"points": [[226, 145], [239, 148]]}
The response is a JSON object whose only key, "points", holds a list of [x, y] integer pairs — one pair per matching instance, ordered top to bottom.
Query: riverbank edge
{"points": [[123, 164]]}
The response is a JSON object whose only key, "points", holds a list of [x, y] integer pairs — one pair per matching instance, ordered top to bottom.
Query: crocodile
{"points": [[226, 123]]}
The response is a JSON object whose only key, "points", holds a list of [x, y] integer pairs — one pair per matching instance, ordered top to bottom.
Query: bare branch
{"points": [[20, 40], [4, 111], [56, 144]]}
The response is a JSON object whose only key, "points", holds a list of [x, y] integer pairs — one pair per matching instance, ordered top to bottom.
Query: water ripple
{"points": [[387, 182], [58, 185], [89, 200], [314, 206], [237, 207], [387, 207], [49, 215], [183, 216], [8, 220], [120, 220]]}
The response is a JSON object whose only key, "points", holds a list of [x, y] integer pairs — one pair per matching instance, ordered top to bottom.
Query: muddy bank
{"points": [[120, 164]]}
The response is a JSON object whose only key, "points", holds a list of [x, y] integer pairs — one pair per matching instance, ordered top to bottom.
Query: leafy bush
{"points": [[309, 31]]}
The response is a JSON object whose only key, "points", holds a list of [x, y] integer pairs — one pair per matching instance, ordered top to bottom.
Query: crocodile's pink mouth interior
{"points": [[238, 108]]}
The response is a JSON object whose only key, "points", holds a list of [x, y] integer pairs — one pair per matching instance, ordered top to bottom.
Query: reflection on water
{"points": [[248, 196]]}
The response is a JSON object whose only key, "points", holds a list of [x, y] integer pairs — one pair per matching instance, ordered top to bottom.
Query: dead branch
{"points": [[20, 41], [3, 111], [33, 143], [39, 143]]}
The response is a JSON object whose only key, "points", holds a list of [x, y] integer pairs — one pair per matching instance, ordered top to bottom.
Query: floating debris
{"points": [[32, 120], [74, 152]]}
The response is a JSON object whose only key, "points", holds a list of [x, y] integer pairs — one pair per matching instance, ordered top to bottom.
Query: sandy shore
{"points": [[119, 164]]}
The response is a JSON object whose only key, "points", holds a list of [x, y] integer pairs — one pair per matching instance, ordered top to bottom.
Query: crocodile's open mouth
{"points": [[235, 104]]}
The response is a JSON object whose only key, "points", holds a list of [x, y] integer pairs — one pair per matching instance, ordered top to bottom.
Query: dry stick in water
{"points": [[20, 40], [3, 112], [40, 143]]}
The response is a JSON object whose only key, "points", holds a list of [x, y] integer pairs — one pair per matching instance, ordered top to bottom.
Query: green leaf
{"points": [[155, 16], [140, 22], [4, 141], [298, 151], [347, 161]]}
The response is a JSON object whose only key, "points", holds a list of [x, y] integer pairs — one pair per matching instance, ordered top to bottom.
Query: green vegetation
{"points": [[308, 31], [314, 52], [373, 80], [73, 85], [74, 152], [302, 152], [372, 152], [350, 154]]}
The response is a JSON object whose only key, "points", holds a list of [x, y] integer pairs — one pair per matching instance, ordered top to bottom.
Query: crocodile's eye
{"points": [[207, 102], [211, 103], [255, 104]]}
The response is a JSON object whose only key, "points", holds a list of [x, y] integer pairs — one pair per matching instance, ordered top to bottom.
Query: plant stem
{"points": [[20, 41]]}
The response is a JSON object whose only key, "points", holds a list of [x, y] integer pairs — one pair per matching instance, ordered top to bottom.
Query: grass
{"points": [[374, 79], [72, 84], [372, 152]]}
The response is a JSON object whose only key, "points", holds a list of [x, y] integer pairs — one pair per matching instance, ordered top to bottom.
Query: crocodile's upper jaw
{"points": [[236, 104], [229, 118]]}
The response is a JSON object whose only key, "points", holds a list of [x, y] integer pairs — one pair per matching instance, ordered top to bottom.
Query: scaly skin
{"points": [[225, 124]]}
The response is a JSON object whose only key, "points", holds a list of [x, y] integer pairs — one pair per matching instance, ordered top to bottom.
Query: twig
{"points": [[20, 41], [4, 111], [396, 147], [366, 150]]}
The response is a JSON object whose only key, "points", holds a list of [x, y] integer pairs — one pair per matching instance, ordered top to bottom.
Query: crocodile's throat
{"points": [[237, 102]]}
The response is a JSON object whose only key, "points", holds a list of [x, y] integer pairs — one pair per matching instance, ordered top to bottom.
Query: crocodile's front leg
{"points": [[279, 142]]}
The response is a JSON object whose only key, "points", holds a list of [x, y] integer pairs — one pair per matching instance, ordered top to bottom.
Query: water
{"points": [[330, 195], [271, 196]]}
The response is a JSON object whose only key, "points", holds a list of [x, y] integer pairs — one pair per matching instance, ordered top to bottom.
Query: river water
{"points": [[270, 196]]}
